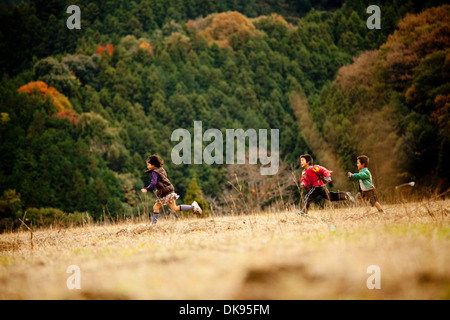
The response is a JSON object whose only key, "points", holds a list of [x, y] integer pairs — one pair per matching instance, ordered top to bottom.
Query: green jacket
{"points": [[365, 178]]}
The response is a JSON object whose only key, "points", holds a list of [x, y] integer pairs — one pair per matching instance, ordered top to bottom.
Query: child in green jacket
{"points": [[366, 186]]}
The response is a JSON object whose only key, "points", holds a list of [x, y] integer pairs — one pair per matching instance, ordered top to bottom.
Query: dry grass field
{"points": [[276, 255]]}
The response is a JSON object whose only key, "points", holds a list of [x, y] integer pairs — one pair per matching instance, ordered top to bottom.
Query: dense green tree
{"points": [[164, 68], [195, 193]]}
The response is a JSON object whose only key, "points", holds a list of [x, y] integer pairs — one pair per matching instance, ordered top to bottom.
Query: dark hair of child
{"points": [[308, 158], [155, 160], [364, 160]]}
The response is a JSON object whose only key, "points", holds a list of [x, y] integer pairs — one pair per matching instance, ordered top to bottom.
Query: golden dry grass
{"points": [[275, 255]]}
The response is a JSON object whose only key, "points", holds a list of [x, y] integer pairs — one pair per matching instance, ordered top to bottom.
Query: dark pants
{"points": [[323, 191], [368, 195]]}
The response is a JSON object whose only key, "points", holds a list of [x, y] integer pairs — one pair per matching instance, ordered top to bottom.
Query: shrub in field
{"points": [[195, 193], [45, 217]]}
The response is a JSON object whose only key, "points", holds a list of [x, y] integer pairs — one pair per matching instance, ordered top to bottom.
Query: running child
{"points": [[315, 178], [366, 186], [165, 192]]}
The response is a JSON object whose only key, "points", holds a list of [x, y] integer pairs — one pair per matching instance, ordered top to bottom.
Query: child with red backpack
{"points": [[315, 178]]}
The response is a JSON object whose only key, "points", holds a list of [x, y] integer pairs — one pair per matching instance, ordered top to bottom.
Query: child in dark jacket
{"points": [[165, 192]]}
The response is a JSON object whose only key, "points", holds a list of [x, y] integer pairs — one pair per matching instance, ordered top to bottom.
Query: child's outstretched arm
{"points": [[326, 174], [356, 176], [304, 182], [152, 184]]}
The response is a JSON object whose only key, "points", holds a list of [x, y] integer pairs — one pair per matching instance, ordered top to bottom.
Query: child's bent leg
{"points": [[340, 195], [336, 196], [309, 198], [374, 201], [378, 206], [182, 207], [185, 207], [156, 208]]}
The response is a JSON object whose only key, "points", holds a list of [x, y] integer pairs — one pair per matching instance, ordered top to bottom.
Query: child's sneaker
{"points": [[349, 197], [196, 207], [302, 214]]}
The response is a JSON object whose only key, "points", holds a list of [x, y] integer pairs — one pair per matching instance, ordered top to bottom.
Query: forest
{"points": [[82, 109]]}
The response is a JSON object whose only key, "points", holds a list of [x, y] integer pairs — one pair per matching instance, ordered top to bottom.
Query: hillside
{"points": [[393, 103], [81, 110], [333, 254]]}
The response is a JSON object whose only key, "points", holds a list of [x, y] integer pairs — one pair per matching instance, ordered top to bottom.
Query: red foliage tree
{"points": [[108, 47]]}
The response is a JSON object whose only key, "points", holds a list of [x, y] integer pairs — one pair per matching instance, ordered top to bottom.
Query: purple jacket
{"points": [[154, 181]]}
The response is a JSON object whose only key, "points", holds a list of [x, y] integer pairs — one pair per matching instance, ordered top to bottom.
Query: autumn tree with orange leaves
{"points": [[227, 29], [319, 76], [397, 100], [63, 106]]}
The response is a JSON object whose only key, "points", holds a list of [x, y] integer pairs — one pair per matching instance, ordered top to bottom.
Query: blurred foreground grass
{"points": [[276, 255]]}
